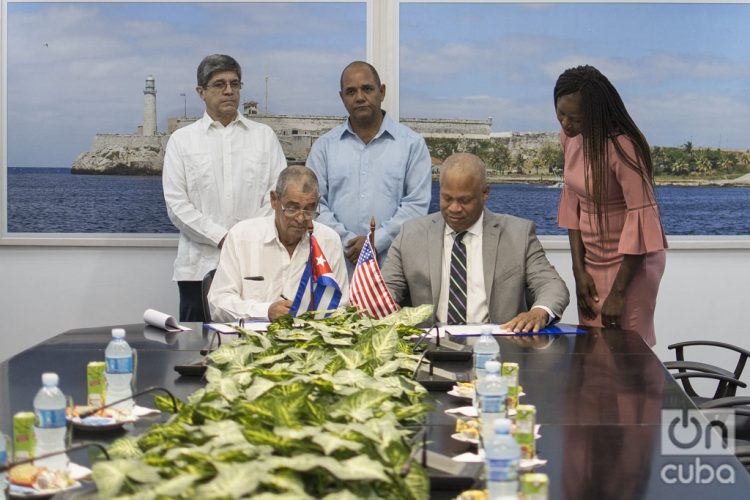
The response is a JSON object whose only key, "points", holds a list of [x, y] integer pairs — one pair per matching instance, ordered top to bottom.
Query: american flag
{"points": [[318, 289], [367, 289]]}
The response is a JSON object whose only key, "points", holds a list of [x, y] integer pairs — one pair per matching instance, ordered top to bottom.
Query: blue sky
{"points": [[683, 70]]}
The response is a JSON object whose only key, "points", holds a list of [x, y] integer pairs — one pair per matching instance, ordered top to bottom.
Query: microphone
{"points": [[448, 350], [443, 381], [145, 391], [10, 465]]}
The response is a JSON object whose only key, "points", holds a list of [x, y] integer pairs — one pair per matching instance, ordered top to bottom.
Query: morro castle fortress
{"points": [[142, 152]]}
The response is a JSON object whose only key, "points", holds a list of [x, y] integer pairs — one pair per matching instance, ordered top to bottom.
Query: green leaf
{"points": [[384, 344], [352, 359], [270, 360], [390, 367], [213, 375], [260, 386], [164, 403], [359, 405], [331, 443], [126, 447], [359, 468], [110, 475], [232, 481], [288, 482], [417, 483], [174, 487], [342, 495]]}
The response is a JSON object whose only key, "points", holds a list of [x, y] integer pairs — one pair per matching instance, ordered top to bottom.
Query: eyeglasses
{"points": [[220, 85], [293, 212]]}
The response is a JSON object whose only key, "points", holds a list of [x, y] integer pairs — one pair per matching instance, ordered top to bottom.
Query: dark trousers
{"points": [[191, 301]]}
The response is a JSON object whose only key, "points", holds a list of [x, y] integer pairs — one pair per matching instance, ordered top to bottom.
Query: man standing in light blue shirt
{"points": [[369, 166]]}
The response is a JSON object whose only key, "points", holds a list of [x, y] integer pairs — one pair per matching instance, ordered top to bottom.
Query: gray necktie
{"points": [[457, 287]]}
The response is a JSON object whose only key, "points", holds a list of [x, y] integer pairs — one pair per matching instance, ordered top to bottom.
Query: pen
{"points": [[254, 278], [282, 296]]}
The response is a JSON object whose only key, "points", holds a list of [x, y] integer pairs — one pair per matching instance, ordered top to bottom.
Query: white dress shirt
{"points": [[214, 177], [253, 249], [476, 296]]}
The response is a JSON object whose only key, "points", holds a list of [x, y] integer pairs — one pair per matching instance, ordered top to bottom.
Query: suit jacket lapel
{"points": [[490, 242], [435, 254]]}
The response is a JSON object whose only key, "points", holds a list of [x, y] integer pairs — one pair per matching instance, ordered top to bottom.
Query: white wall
{"points": [[46, 290], [704, 295]]}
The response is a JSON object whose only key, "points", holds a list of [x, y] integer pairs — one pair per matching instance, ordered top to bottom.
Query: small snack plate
{"points": [[111, 420], [95, 424], [464, 439], [18, 491]]}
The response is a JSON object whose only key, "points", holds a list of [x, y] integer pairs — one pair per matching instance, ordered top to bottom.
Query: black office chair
{"points": [[205, 287], [728, 381], [740, 405]]}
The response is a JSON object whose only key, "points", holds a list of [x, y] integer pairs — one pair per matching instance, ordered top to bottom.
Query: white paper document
{"points": [[163, 321], [254, 325], [471, 330]]}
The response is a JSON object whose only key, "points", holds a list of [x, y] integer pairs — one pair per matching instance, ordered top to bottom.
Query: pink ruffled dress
{"points": [[634, 229]]}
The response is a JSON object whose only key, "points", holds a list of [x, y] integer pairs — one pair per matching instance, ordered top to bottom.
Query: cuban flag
{"points": [[318, 289], [367, 289]]}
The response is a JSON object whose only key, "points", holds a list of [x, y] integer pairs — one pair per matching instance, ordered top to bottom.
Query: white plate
{"points": [[454, 392], [466, 411], [95, 424], [460, 437], [16, 491]]}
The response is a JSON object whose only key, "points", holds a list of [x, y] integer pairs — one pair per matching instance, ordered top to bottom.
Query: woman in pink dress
{"points": [[608, 205]]}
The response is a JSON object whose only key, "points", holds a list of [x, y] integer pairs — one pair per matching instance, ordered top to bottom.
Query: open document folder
{"points": [[163, 321], [476, 330]]}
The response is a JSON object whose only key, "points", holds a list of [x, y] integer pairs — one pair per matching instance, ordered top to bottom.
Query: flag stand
{"points": [[310, 228], [372, 236]]}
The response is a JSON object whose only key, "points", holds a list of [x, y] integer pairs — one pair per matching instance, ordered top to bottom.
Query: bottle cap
{"points": [[118, 333], [492, 366], [50, 379], [501, 426]]}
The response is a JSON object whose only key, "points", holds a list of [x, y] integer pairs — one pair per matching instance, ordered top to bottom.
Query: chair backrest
{"points": [[205, 287]]}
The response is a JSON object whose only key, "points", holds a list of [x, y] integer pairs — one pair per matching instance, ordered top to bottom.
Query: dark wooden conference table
{"points": [[599, 400]]}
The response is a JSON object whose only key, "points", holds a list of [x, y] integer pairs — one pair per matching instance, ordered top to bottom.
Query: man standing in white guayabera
{"points": [[218, 171]]}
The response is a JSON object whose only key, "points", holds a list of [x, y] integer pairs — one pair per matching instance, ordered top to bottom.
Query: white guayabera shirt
{"points": [[214, 177]]}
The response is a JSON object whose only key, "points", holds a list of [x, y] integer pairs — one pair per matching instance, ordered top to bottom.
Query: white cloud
{"points": [[89, 76]]}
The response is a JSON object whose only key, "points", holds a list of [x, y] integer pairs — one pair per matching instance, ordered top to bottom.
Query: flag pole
{"points": [[372, 237], [312, 305]]}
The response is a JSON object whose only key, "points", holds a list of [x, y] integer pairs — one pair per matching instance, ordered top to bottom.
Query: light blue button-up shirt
{"points": [[389, 178]]}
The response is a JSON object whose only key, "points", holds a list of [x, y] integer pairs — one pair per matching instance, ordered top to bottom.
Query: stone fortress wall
{"points": [[142, 153]]}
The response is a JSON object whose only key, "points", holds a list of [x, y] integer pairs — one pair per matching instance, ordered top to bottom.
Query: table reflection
{"points": [[608, 453]]}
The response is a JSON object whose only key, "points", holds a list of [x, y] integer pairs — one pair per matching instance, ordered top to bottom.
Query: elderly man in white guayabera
{"points": [[218, 171], [264, 259]]}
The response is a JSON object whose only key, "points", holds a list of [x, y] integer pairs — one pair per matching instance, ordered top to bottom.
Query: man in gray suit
{"points": [[475, 266]]}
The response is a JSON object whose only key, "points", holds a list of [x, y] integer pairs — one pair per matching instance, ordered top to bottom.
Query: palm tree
{"points": [[680, 167]]}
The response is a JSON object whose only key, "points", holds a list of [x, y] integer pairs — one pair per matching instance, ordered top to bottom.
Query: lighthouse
{"points": [[149, 107]]}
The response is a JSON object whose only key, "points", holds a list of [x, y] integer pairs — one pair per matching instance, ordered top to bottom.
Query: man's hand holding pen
{"points": [[279, 308]]}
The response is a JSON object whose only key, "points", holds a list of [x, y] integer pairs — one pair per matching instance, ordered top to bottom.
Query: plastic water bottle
{"points": [[486, 349], [119, 358], [492, 395], [50, 426], [502, 458], [3, 461]]}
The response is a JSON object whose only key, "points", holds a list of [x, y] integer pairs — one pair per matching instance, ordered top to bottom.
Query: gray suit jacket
{"points": [[517, 274]]}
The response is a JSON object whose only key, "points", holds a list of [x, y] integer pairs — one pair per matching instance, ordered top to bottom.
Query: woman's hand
{"points": [[586, 294], [615, 301], [612, 309]]}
